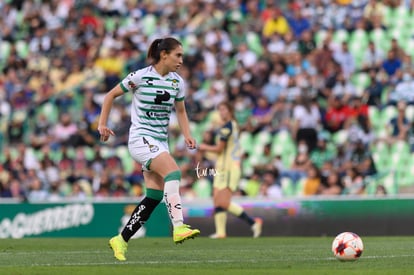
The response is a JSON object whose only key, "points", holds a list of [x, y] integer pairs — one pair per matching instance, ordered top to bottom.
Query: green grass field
{"points": [[278, 255]]}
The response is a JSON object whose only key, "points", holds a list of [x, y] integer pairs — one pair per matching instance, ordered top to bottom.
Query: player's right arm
{"points": [[104, 131], [224, 134]]}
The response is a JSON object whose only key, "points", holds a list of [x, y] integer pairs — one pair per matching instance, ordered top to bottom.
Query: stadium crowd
{"points": [[322, 91]]}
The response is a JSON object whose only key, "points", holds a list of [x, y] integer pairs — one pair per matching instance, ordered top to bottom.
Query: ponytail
{"points": [[161, 44]]}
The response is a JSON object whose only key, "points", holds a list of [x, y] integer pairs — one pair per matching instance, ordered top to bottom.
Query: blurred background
{"points": [[323, 92]]}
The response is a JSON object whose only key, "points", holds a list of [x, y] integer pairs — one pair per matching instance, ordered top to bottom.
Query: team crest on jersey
{"points": [[175, 83], [224, 132], [153, 148]]}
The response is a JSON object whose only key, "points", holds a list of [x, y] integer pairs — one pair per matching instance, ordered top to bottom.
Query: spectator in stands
{"points": [[374, 9], [275, 23], [298, 23], [306, 43], [290, 44], [397, 49], [245, 56], [373, 58], [323, 59], [345, 59], [391, 64], [407, 64], [297, 65], [278, 81], [343, 88], [403, 90], [293, 91], [373, 93], [357, 107], [91, 108], [196, 112], [336, 114], [261, 116], [281, 116], [306, 121], [399, 125], [16, 129], [360, 129], [63, 130], [40, 135], [85, 136], [322, 153], [359, 158], [264, 163], [65, 164], [338, 164], [297, 170], [48, 172], [136, 178], [312, 181], [353, 182], [331, 185], [102, 187], [251, 187], [269, 187], [11, 188], [119, 188], [5, 191], [36, 191], [77, 192], [54, 193]]}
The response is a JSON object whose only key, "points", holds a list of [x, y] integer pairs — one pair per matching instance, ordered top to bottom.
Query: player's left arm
{"points": [[184, 124]]}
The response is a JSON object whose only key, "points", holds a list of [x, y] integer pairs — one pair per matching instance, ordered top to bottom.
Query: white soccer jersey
{"points": [[152, 102]]}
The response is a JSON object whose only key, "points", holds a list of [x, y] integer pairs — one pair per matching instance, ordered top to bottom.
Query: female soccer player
{"points": [[155, 89], [228, 174]]}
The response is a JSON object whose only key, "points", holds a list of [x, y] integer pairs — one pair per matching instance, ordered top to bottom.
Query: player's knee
{"points": [[175, 175], [222, 203]]}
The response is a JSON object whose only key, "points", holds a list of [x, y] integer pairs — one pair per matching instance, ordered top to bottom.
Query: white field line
{"points": [[196, 261]]}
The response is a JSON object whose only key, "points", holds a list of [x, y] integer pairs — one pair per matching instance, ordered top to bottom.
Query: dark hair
{"points": [[161, 44], [229, 107]]}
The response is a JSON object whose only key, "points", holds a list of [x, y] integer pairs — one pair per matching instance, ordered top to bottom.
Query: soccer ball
{"points": [[347, 246]]}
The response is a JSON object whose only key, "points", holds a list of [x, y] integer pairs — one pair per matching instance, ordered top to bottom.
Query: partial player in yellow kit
{"points": [[228, 173]]}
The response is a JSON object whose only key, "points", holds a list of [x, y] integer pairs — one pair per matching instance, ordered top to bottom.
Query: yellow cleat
{"points": [[184, 232], [119, 246]]}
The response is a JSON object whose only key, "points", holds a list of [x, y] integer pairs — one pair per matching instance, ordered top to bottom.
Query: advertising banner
{"points": [[291, 217], [83, 219]]}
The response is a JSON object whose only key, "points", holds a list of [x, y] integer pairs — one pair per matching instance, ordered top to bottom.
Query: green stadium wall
{"points": [[295, 217], [77, 219]]}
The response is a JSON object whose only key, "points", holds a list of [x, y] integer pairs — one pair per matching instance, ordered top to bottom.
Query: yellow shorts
{"points": [[227, 179]]}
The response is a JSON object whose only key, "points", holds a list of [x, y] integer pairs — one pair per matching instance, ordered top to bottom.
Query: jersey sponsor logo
{"points": [[149, 81], [162, 96], [159, 108], [156, 115]]}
